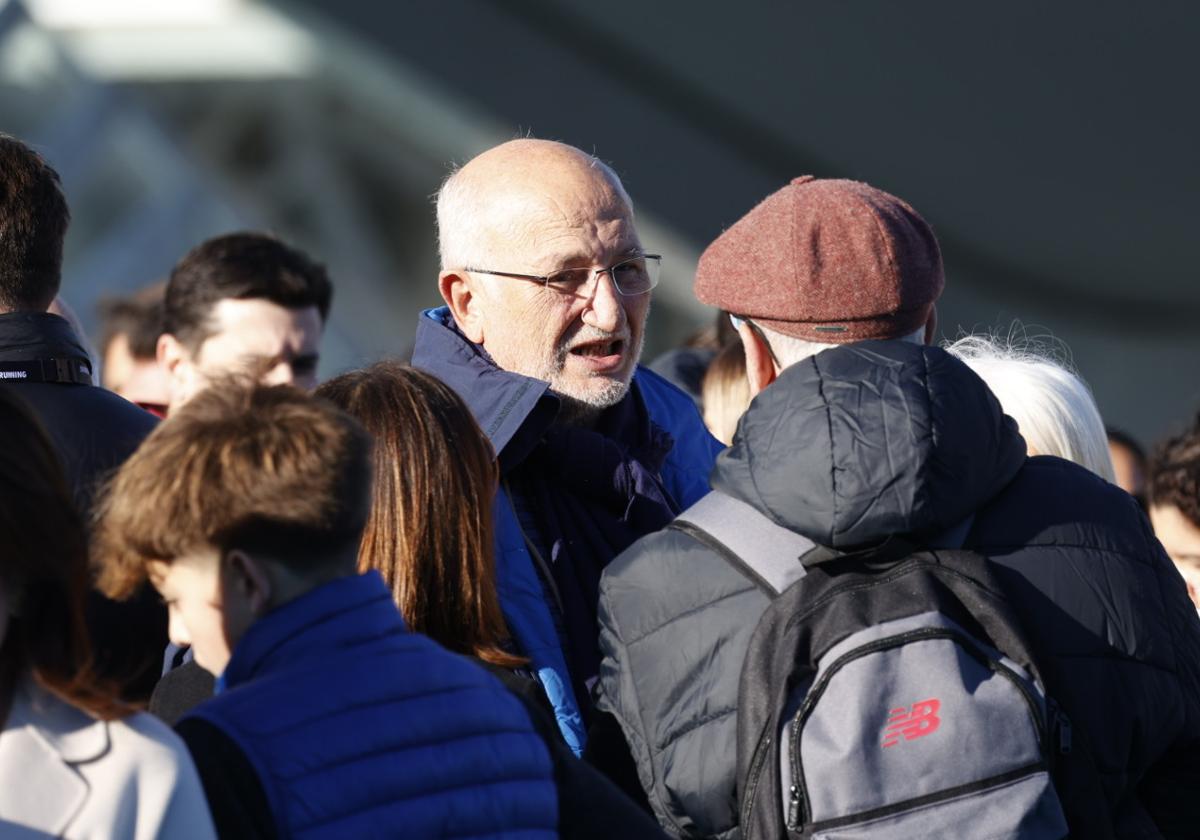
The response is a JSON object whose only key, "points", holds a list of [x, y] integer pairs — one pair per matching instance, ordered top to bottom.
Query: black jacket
{"points": [[94, 431], [878, 438]]}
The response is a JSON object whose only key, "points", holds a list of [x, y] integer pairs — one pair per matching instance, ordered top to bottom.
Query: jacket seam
{"points": [[692, 611], [696, 724]]}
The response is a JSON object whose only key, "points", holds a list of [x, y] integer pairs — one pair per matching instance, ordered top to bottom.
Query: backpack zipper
{"points": [[798, 810]]}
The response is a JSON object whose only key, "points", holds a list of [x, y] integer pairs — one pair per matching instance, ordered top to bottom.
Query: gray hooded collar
{"points": [[872, 439]]}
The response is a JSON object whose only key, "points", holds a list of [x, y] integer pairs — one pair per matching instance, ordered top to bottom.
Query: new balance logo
{"points": [[909, 723]]}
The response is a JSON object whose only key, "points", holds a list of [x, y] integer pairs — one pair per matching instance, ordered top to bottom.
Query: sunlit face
{"points": [[253, 335], [585, 345], [140, 381], [1181, 539], [204, 611]]}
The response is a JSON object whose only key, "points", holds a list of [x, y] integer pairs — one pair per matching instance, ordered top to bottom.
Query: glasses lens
{"points": [[636, 276], [569, 280]]}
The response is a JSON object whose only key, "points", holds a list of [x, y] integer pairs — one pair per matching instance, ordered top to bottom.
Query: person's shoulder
{"points": [[657, 389], [90, 407], [119, 408], [1055, 502], [651, 556], [666, 574], [150, 741]]}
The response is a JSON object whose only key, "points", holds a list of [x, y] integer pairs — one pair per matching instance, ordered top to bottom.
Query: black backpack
{"points": [[887, 693]]}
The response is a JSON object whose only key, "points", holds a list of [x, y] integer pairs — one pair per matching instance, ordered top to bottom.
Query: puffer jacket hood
{"points": [[872, 439]]}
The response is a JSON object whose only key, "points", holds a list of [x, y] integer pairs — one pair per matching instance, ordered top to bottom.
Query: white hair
{"points": [[458, 220], [789, 350], [1053, 407]]}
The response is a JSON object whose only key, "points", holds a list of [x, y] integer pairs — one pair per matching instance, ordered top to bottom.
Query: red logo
{"points": [[921, 720]]}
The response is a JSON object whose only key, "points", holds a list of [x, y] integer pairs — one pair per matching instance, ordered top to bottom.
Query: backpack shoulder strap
{"points": [[769, 552]]}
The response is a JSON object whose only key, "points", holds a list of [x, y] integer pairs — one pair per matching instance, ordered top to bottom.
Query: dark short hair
{"points": [[33, 224], [240, 266], [137, 316], [269, 470], [1175, 473]]}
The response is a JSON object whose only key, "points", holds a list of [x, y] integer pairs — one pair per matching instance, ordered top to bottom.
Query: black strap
{"points": [[68, 370]]}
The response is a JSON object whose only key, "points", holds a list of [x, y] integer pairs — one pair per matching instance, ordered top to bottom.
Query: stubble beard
{"points": [[581, 407]]}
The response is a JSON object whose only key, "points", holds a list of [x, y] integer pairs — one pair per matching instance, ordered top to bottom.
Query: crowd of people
{"points": [[784, 581]]}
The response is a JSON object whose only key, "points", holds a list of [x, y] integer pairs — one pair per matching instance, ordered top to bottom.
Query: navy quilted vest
{"points": [[358, 728]]}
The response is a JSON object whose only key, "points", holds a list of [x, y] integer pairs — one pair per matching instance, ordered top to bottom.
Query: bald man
{"points": [[547, 288]]}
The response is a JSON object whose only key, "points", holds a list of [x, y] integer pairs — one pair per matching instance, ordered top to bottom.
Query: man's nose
{"points": [[606, 307], [281, 374]]}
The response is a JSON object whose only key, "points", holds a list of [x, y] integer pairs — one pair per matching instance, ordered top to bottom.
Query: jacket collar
{"points": [[30, 335], [514, 411], [331, 617], [42, 738]]}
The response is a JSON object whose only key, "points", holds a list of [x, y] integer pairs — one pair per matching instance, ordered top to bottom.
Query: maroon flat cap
{"points": [[826, 260]]}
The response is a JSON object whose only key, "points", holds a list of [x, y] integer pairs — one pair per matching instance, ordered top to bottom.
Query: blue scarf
{"points": [[592, 493]]}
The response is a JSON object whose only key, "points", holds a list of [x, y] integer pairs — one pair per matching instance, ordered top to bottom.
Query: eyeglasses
{"points": [[631, 276], [737, 325]]}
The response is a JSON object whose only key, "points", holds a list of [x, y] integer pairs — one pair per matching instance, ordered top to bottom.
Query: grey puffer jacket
{"points": [[878, 438]]}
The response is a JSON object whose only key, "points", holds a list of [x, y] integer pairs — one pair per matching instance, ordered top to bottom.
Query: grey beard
{"points": [[576, 412]]}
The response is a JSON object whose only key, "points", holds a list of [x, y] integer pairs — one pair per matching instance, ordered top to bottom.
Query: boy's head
{"points": [[243, 304], [246, 498]]}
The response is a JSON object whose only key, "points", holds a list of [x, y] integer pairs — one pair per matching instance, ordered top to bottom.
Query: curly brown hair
{"points": [[1175, 473]]}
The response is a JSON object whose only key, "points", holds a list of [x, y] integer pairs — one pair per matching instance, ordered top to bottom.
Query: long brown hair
{"points": [[430, 528], [43, 569]]}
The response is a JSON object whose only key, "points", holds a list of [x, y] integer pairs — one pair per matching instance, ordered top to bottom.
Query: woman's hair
{"points": [[725, 391], [1052, 406], [429, 531], [44, 575]]}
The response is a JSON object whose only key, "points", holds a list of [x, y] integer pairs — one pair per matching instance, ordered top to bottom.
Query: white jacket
{"points": [[65, 774]]}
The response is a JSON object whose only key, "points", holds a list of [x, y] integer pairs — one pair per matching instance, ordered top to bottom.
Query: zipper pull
{"points": [[794, 807]]}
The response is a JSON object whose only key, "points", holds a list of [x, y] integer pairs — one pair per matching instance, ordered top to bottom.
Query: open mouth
{"points": [[599, 348], [600, 355]]}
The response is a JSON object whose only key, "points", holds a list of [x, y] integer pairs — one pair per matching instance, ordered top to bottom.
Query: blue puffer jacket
{"points": [[514, 411], [885, 437], [357, 728]]}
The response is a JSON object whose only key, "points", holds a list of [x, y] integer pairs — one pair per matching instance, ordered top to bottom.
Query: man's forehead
{"points": [[552, 230], [261, 320]]}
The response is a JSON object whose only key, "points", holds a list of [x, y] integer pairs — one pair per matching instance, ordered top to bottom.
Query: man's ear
{"points": [[458, 290], [176, 361], [760, 366], [245, 579]]}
